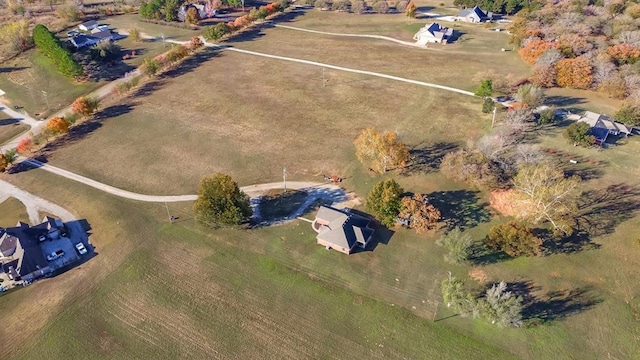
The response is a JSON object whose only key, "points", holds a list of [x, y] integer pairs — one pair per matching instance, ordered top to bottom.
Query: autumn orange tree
{"points": [[411, 10], [532, 51], [624, 53], [575, 73], [85, 106], [57, 125], [25, 145], [380, 151], [3, 163], [419, 213]]}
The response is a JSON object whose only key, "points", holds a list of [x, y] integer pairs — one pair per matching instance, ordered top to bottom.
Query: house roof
{"points": [[475, 12], [89, 23], [434, 30], [101, 35], [82, 40], [604, 122], [342, 229], [27, 256]]}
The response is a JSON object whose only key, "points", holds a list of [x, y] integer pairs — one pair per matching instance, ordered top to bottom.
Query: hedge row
{"points": [[51, 47]]}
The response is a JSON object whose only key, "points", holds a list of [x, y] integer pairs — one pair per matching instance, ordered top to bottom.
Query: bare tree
{"points": [[549, 58], [530, 94]]}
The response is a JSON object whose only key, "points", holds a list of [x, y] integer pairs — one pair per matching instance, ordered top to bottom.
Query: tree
{"points": [[232, 3], [321, 4], [340, 5], [358, 6], [401, 6], [381, 7], [171, 10], [410, 10], [69, 12], [192, 16], [216, 32], [16, 34], [135, 35], [195, 43], [50, 46], [534, 49], [105, 51], [624, 53], [150, 67], [575, 73], [544, 76], [485, 89], [530, 94], [487, 105], [85, 106], [628, 114], [57, 125], [578, 133], [25, 145], [381, 151], [11, 156], [3, 163], [471, 167], [547, 195], [221, 202], [384, 202], [420, 214], [513, 238], [458, 246], [454, 295], [501, 307]]}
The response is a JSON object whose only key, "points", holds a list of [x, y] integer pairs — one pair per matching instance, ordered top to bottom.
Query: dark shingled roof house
{"points": [[342, 230]]}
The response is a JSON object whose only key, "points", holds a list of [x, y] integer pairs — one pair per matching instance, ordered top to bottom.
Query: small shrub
{"points": [[381, 7], [135, 35], [150, 67], [487, 105], [547, 116], [514, 238]]}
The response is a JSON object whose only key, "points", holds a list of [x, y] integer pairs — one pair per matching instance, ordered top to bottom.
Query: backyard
{"points": [[12, 212]]}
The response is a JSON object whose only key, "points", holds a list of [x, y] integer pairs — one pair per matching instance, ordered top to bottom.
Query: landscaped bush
{"points": [[321, 4], [340, 5], [358, 6], [381, 7], [216, 32], [135, 35], [50, 46], [177, 53]]}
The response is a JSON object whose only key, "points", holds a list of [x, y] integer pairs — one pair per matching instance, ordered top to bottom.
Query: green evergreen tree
{"points": [[384, 201]]}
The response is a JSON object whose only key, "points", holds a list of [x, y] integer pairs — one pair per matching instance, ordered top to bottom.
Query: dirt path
{"points": [[377, 37], [33, 203]]}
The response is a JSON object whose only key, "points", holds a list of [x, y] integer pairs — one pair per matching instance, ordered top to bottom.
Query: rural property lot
{"points": [[250, 116], [181, 291]]}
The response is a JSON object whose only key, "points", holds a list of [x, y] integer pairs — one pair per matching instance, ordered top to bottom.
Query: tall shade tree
{"points": [[16, 34], [530, 94], [85, 106], [578, 134], [380, 151], [547, 195], [384, 201], [221, 202], [420, 214], [455, 296], [501, 307]]}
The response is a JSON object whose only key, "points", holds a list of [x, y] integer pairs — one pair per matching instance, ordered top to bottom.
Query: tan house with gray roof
{"points": [[342, 230]]}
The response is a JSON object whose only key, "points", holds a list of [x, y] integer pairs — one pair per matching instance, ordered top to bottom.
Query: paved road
{"points": [[33, 203]]}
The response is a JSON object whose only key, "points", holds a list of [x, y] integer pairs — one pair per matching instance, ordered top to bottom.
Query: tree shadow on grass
{"points": [[191, 63], [567, 102], [8, 121], [75, 134], [427, 158], [585, 168], [460, 208], [602, 210], [481, 254], [554, 305]]}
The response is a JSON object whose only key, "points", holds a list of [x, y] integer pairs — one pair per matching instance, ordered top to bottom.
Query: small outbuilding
{"points": [[88, 25], [341, 229]]}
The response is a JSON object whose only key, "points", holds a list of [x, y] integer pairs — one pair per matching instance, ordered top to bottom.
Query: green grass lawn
{"points": [[129, 21], [453, 64], [34, 83], [260, 115], [9, 130], [12, 211]]}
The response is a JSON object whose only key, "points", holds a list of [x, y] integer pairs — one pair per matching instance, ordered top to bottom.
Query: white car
{"points": [[81, 249], [55, 255]]}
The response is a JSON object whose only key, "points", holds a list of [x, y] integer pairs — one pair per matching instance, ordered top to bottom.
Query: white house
{"points": [[474, 15], [88, 25], [99, 28], [433, 33]]}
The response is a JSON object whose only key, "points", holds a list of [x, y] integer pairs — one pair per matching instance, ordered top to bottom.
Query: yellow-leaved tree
{"points": [[381, 151]]}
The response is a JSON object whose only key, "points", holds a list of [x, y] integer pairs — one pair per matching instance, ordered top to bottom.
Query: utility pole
{"points": [[324, 81], [46, 99], [493, 121], [284, 178], [168, 213]]}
